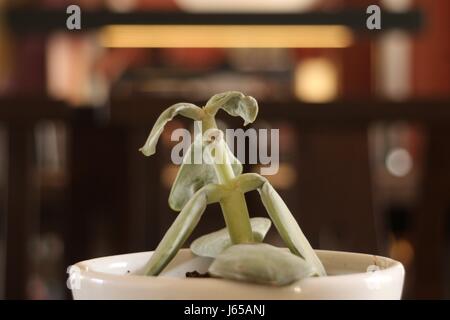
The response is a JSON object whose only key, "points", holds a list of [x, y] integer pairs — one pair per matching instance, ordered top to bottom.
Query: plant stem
{"points": [[234, 206], [236, 217]]}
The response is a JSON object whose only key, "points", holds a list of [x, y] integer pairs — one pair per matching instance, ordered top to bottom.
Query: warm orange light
{"points": [[225, 36], [316, 80]]}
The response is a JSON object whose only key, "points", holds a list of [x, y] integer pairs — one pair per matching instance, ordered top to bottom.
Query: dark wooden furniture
{"points": [[110, 181]]}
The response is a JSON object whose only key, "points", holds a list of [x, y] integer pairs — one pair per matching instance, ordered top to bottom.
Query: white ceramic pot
{"points": [[350, 276]]}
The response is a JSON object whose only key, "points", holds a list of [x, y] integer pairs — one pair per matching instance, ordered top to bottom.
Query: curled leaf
{"points": [[235, 104], [185, 109], [212, 244], [260, 263]]}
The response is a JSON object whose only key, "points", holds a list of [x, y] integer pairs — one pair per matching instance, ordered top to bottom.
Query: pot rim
{"points": [[385, 268]]}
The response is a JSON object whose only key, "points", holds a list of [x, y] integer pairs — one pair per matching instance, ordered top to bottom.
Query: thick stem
{"points": [[222, 165], [234, 207], [237, 219]]}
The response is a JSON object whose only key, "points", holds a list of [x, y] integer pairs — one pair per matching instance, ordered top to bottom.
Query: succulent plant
{"points": [[237, 249]]}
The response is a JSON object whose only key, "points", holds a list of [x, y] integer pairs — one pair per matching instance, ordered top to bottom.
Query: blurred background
{"points": [[364, 119]]}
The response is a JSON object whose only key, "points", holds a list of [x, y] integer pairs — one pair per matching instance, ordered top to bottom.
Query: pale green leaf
{"points": [[235, 104], [185, 109], [191, 176], [250, 181], [282, 218], [288, 227], [181, 228], [212, 244], [260, 263]]}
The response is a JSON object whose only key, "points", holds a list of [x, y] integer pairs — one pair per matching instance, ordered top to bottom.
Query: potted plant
{"points": [[232, 263]]}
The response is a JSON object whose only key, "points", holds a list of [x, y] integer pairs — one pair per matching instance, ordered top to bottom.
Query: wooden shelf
{"points": [[49, 20], [139, 111]]}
